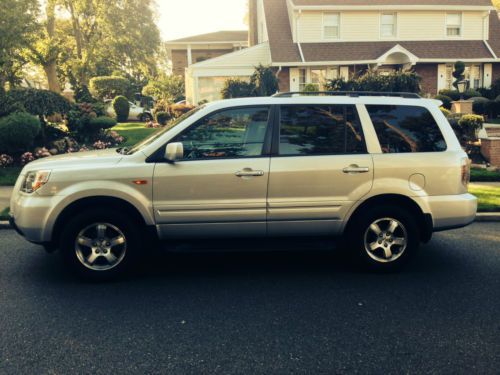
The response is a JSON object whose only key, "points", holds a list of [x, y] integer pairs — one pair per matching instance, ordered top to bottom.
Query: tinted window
{"points": [[406, 129], [320, 130], [227, 134]]}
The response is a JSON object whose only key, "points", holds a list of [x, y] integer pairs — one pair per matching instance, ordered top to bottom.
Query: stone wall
{"points": [[490, 149]]}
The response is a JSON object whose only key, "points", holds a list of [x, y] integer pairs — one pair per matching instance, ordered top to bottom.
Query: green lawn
{"points": [[133, 132], [483, 175], [8, 176], [489, 197]]}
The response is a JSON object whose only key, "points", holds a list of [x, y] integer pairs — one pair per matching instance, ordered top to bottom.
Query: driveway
{"points": [[305, 312]]}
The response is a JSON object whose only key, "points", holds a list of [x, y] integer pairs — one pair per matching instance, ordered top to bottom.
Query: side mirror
{"points": [[174, 151]]}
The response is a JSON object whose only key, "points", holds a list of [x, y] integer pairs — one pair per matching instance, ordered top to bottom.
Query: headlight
{"points": [[34, 180]]}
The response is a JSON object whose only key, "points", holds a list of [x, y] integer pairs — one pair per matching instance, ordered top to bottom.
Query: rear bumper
{"points": [[452, 211]]}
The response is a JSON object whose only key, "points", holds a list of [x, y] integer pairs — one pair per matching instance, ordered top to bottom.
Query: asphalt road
{"points": [[267, 312]]}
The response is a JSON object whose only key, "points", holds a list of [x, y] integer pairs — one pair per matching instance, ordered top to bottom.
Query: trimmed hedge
{"points": [[371, 81], [108, 87], [455, 95], [446, 101], [40, 102], [122, 108], [103, 122], [18, 132]]}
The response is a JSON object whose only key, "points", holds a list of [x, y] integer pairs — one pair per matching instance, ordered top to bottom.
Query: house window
{"points": [[388, 24], [454, 24], [331, 25], [473, 73], [302, 79]]}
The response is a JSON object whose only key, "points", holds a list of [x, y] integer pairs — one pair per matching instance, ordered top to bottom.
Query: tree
{"points": [[496, 3], [17, 27], [458, 73], [265, 81], [109, 86], [170, 88], [237, 88]]}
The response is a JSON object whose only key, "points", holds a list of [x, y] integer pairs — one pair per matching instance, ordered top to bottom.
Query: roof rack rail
{"points": [[353, 94]]}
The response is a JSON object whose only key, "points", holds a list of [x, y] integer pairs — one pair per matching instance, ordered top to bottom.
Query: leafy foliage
{"points": [[458, 73], [264, 80], [371, 81], [108, 87], [310, 87], [168, 88], [237, 88], [455, 95], [446, 101], [40, 102], [122, 108], [177, 110], [80, 117], [163, 117], [101, 123], [470, 125], [18, 132]]}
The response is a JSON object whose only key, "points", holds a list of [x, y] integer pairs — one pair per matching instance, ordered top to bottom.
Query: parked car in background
{"points": [[137, 113], [381, 172]]}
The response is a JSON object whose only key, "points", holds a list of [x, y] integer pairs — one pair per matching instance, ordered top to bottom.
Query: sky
{"points": [[181, 18]]}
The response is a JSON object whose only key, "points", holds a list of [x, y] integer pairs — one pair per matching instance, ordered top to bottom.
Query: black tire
{"points": [[146, 117], [359, 233], [76, 255]]}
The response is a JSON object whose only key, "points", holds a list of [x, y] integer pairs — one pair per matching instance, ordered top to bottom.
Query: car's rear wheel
{"points": [[384, 238], [100, 244]]}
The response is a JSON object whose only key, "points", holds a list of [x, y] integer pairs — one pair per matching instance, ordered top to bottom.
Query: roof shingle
{"points": [[392, 2], [218, 36]]}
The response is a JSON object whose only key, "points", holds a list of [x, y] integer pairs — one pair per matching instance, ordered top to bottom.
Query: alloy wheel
{"points": [[385, 240]]}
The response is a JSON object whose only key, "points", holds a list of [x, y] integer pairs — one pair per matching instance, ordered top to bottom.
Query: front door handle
{"points": [[356, 169], [248, 172]]}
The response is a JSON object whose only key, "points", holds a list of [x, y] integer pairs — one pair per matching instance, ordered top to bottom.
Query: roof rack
{"points": [[353, 94]]}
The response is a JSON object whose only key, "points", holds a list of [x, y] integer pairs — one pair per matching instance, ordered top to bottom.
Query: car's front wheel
{"points": [[384, 238], [100, 244]]}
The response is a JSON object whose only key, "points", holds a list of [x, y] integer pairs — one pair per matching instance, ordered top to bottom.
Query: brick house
{"points": [[310, 41], [186, 51]]}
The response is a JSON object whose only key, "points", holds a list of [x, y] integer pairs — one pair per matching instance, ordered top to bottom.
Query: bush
{"points": [[265, 81], [371, 81], [108, 87], [310, 87], [168, 88], [237, 88], [82, 94], [455, 95], [446, 101], [40, 103], [480, 106], [122, 108], [177, 110], [446, 112], [162, 117], [79, 118], [101, 123], [470, 124], [18, 132]]}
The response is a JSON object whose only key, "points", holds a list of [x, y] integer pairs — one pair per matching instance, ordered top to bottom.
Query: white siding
{"points": [[411, 25]]}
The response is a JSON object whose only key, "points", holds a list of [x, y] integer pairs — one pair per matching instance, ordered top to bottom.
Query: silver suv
{"points": [[381, 172]]}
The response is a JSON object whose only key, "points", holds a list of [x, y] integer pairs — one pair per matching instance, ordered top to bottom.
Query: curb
{"points": [[483, 217]]}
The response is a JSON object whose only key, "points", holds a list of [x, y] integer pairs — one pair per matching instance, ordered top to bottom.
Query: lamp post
{"points": [[462, 87]]}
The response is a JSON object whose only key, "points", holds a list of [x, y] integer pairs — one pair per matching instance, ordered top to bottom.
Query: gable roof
{"points": [[392, 2], [225, 36], [284, 50]]}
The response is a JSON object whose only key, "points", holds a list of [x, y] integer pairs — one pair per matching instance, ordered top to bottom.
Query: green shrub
{"points": [[458, 73], [265, 81], [371, 81], [108, 87], [310, 87], [168, 88], [237, 88], [453, 94], [446, 101], [40, 102], [480, 105], [122, 108], [177, 110], [445, 111], [162, 117], [101, 123], [470, 124], [18, 132]]}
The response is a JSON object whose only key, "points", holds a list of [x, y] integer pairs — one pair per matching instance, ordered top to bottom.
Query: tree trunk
{"points": [[52, 79]]}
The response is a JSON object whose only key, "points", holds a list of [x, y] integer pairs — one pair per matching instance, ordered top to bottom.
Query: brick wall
{"points": [[180, 61], [429, 74], [284, 80], [490, 148]]}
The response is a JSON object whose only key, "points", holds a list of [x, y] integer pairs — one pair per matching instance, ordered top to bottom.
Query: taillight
{"points": [[466, 171]]}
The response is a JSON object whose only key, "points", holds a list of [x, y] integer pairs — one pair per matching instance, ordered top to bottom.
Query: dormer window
{"points": [[454, 24], [331, 25], [388, 25]]}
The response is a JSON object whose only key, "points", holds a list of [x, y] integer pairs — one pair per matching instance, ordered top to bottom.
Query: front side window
{"points": [[454, 24], [331, 25], [388, 25], [403, 129], [320, 130], [231, 133]]}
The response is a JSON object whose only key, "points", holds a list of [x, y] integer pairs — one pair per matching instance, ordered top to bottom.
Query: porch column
{"points": [[189, 55]]}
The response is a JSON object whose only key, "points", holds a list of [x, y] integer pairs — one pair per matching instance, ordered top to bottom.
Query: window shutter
{"points": [[487, 75], [294, 79], [441, 84]]}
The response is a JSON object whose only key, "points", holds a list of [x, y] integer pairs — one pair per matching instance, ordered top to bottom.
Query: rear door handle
{"points": [[356, 169], [248, 172]]}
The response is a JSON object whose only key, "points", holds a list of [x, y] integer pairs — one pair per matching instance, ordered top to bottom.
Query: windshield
{"points": [[153, 137]]}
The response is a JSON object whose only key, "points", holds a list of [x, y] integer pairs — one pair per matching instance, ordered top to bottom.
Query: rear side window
{"points": [[403, 129], [320, 130]]}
